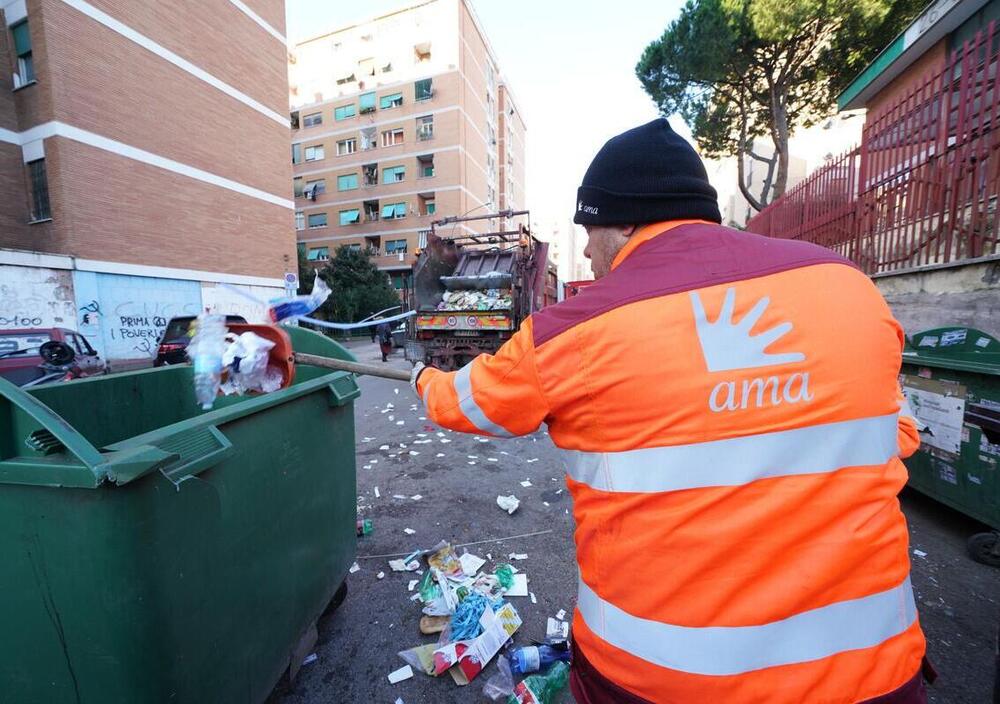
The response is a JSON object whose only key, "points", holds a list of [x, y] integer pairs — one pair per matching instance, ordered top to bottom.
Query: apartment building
{"points": [[398, 121], [143, 164]]}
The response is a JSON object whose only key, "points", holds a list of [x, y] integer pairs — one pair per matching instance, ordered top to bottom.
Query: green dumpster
{"points": [[951, 378], [152, 552]]}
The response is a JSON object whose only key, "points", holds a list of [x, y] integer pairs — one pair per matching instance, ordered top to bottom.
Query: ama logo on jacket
{"points": [[727, 345]]}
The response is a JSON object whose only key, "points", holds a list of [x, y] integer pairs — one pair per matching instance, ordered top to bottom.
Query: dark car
{"points": [[177, 336], [20, 362]]}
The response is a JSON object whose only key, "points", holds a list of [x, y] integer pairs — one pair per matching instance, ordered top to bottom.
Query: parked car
{"points": [[176, 337], [22, 360]]}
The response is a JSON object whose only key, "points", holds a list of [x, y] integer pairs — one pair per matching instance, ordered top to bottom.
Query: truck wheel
{"points": [[984, 548]]}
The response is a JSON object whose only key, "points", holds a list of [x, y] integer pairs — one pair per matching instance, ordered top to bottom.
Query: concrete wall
{"points": [[966, 295], [36, 297]]}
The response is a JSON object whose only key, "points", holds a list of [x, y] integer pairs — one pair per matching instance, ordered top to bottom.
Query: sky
{"points": [[571, 67]]}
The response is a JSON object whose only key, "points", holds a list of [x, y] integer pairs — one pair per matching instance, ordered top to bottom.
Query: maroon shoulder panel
{"points": [[685, 258]]}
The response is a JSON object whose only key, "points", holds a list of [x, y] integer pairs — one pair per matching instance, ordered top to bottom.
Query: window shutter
{"points": [[22, 39], [400, 210]]}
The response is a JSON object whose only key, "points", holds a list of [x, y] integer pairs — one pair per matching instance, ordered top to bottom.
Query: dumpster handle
{"points": [[339, 397], [55, 424]]}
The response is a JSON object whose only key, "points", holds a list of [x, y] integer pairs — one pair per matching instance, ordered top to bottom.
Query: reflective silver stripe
{"points": [[469, 407], [736, 461], [733, 650]]}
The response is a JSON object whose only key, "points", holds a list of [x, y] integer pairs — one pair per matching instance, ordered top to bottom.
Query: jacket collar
{"points": [[648, 232]]}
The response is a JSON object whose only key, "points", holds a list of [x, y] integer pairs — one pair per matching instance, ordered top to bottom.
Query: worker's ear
{"points": [[628, 232]]}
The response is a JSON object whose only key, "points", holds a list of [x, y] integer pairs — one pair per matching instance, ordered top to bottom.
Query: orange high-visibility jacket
{"points": [[732, 427]]}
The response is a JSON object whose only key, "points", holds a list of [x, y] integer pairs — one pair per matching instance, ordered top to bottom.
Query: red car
{"points": [[23, 360]]}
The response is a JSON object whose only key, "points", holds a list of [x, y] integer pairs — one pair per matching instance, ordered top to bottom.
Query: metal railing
{"points": [[922, 187]]}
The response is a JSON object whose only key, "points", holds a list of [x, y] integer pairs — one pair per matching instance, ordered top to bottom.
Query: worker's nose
{"points": [[586, 250]]}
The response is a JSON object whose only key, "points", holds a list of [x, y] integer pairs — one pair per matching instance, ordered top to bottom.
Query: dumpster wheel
{"points": [[985, 548]]}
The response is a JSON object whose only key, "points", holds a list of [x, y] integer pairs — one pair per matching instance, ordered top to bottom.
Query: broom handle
{"points": [[355, 367]]}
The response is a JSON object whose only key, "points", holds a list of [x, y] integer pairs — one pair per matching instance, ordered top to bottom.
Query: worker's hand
{"points": [[415, 374]]}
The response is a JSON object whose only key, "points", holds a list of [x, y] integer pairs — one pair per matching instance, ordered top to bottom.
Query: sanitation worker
{"points": [[738, 531]]}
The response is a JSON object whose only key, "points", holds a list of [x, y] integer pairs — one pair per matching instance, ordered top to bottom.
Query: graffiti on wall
{"points": [[33, 297], [247, 301], [124, 316]]}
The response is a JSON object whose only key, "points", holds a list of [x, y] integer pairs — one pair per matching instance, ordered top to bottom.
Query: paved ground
{"points": [[358, 642]]}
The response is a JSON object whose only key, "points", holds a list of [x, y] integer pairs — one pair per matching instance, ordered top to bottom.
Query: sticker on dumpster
{"points": [[953, 337], [929, 341], [983, 342], [939, 408], [945, 471]]}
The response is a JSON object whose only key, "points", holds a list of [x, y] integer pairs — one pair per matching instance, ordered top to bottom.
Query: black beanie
{"points": [[644, 175]]}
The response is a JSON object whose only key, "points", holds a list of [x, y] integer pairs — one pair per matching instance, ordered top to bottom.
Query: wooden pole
{"points": [[355, 367]]}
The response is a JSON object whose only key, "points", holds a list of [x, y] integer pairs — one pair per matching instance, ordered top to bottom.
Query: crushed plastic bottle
{"points": [[205, 352], [532, 658], [541, 689]]}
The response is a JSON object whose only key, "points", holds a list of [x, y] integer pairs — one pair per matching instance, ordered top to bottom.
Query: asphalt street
{"points": [[443, 486]]}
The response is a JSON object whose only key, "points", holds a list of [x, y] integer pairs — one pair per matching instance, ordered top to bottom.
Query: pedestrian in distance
{"points": [[384, 333], [738, 531]]}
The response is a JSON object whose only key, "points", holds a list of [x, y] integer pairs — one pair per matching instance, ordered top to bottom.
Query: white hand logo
{"points": [[727, 345]]}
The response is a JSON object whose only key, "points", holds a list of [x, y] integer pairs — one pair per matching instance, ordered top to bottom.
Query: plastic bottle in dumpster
{"points": [[205, 351], [532, 658], [541, 689]]}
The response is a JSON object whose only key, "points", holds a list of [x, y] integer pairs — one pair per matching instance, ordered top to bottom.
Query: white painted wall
{"points": [[36, 297]]}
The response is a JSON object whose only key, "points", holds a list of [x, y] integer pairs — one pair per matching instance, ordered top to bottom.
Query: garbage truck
{"points": [[472, 291]]}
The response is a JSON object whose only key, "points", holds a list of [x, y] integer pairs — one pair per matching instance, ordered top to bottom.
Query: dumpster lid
{"points": [[961, 348]]}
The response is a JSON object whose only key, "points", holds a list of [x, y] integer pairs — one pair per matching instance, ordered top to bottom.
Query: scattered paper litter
{"points": [[395, 391], [392, 417], [400, 422], [367, 439], [445, 440], [383, 447], [414, 452], [440, 454], [473, 457], [492, 459], [532, 460], [472, 461], [367, 466], [526, 483], [377, 495], [398, 496], [416, 497], [508, 503], [546, 503], [408, 531], [919, 553], [518, 556], [471, 564], [404, 566], [354, 568], [380, 575], [413, 583], [520, 587], [415, 596], [533, 599], [561, 615], [556, 629], [310, 659], [403, 673], [399, 700]]}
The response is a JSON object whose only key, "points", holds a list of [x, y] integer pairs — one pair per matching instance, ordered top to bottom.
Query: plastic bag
{"points": [[297, 306], [246, 358], [502, 683]]}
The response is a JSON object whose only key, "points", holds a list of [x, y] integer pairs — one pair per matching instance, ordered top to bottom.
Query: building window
{"points": [[22, 50], [421, 52], [366, 67], [388, 69], [343, 80], [422, 89], [390, 101], [366, 102], [343, 112], [294, 120], [312, 120], [425, 128], [392, 137], [369, 138], [345, 146], [296, 153], [314, 153], [425, 166], [370, 172], [393, 174], [347, 182], [297, 187], [314, 188], [39, 191], [429, 207], [371, 210], [394, 211], [350, 217], [300, 220], [317, 220], [422, 238], [356, 247], [395, 247], [319, 254]]}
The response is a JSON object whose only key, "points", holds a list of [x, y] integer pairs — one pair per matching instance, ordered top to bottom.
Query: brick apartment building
{"points": [[399, 121], [143, 162]]}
